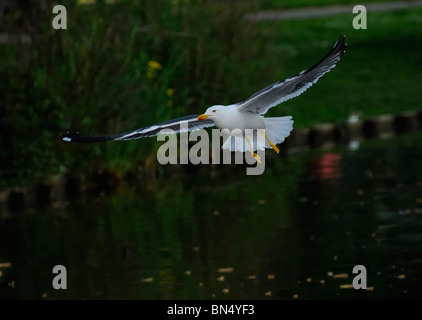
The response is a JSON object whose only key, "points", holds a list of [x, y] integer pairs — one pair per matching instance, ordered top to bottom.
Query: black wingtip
{"points": [[343, 39], [341, 42], [340, 45], [335, 53], [68, 136], [81, 138]]}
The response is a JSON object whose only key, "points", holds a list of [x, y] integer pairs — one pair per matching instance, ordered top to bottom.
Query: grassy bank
{"points": [[288, 4], [127, 65], [375, 76]]}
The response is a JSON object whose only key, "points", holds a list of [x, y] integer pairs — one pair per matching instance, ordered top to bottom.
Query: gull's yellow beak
{"points": [[202, 117]]}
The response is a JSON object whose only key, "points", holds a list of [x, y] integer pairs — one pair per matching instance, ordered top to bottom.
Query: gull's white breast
{"points": [[232, 118]]}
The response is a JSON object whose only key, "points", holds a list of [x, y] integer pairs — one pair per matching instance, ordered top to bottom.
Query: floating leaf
{"points": [[5, 264], [341, 276]]}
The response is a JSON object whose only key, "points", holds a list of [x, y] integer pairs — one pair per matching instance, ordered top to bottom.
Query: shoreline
{"points": [[66, 187]]}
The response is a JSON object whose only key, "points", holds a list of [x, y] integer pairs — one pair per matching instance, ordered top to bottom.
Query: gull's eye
{"points": [[213, 111]]}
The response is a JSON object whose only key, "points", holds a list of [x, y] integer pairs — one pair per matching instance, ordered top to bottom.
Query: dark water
{"points": [[296, 231]]}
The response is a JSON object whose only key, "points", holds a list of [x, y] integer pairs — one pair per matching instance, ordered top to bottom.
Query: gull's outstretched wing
{"points": [[281, 91], [184, 124]]}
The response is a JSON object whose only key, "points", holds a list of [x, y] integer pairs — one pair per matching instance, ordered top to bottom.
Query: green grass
{"points": [[288, 4], [378, 73], [94, 77]]}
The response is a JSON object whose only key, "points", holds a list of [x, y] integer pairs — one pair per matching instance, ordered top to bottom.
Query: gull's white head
{"points": [[211, 112]]}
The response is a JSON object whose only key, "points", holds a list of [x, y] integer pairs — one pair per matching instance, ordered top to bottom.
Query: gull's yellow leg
{"points": [[271, 144], [255, 155]]}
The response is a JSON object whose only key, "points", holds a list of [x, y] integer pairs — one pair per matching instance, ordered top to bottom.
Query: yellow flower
{"points": [[154, 65], [170, 92], [169, 103]]}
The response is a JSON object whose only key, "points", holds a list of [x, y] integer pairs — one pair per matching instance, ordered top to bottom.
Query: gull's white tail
{"points": [[276, 130]]}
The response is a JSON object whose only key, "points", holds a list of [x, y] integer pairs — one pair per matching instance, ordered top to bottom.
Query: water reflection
{"points": [[326, 167], [297, 231]]}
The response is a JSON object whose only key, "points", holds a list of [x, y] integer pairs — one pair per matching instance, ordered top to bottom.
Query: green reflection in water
{"points": [[217, 233]]}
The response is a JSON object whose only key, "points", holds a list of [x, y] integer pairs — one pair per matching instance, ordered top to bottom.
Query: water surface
{"points": [[295, 232]]}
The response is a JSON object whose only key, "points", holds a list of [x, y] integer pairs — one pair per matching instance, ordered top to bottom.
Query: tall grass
{"points": [[277, 4], [130, 64], [116, 67]]}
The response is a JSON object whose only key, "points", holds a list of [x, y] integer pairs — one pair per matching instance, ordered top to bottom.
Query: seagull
{"points": [[238, 118]]}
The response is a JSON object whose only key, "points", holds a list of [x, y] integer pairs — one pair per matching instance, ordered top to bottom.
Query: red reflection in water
{"points": [[326, 167]]}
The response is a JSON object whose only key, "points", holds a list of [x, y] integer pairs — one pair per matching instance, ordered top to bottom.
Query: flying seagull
{"points": [[243, 115]]}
